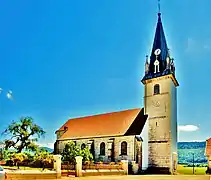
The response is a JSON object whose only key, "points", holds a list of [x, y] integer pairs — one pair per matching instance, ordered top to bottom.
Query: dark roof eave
{"points": [[138, 124]]}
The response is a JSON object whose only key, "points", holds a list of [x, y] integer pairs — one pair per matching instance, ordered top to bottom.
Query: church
{"points": [[145, 135]]}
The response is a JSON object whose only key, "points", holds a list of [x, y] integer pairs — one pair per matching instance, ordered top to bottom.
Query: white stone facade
{"points": [[134, 147]]}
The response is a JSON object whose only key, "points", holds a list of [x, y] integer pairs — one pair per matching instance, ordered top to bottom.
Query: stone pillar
{"points": [[174, 161], [209, 162], [57, 165], [125, 166], [135, 167], [78, 168]]}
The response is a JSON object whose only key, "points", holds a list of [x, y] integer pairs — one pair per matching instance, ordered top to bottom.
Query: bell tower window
{"points": [[156, 66], [156, 89]]}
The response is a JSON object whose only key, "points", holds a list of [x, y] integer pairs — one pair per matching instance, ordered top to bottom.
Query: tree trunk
{"points": [[43, 166]]}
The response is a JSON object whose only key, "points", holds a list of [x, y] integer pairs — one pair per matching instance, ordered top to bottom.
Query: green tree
{"points": [[23, 135], [2, 145], [71, 151], [8, 155], [29, 156], [44, 157], [13, 158], [18, 158]]}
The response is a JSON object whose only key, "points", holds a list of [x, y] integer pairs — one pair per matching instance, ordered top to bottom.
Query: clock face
{"points": [[157, 52], [156, 62], [156, 103]]}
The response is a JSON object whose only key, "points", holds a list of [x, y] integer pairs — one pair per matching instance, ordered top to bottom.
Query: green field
{"points": [[189, 170]]}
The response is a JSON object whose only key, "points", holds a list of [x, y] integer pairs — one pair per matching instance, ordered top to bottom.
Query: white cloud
{"points": [[196, 46], [188, 128], [49, 145]]}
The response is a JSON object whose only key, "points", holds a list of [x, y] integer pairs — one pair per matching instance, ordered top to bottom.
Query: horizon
{"points": [[71, 59], [51, 146]]}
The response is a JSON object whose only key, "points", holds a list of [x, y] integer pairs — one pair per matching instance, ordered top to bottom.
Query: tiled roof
{"points": [[128, 122], [208, 147]]}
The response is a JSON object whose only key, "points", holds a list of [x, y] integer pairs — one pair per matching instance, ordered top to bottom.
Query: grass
{"points": [[22, 168], [189, 170]]}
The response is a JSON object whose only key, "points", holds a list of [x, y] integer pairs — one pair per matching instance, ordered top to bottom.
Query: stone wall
{"points": [[162, 119], [131, 144]]}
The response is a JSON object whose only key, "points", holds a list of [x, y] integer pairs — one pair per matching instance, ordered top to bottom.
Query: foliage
{"points": [[23, 135], [71, 151], [1, 154], [8, 155], [29, 156], [43, 156], [13, 158], [18, 158], [100, 159], [196, 165]]}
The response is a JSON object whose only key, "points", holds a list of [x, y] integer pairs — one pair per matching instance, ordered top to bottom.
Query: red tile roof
{"points": [[125, 122], [208, 147]]}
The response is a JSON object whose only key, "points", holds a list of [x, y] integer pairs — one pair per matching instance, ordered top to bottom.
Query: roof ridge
{"points": [[100, 114]]}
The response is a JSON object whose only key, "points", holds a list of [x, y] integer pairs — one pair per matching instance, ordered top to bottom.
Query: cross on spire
{"points": [[158, 6]]}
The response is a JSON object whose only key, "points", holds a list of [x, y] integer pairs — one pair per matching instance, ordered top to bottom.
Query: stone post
{"points": [[174, 161], [209, 163], [57, 165], [125, 166], [78, 167], [135, 167]]}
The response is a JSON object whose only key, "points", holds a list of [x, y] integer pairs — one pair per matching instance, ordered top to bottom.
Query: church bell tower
{"points": [[160, 104]]}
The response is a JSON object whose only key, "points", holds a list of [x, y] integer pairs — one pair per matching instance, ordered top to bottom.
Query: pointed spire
{"points": [[159, 43], [160, 61]]}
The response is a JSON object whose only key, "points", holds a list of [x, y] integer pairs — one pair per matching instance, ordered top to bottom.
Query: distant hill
{"points": [[191, 145], [47, 149], [186, 151]]}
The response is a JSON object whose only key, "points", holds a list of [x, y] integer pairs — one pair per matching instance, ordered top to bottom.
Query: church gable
{"points": [[128, 122]]}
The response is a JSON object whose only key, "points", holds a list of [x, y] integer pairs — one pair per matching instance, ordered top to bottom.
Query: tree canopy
{"points": [[23, 134], [71, 151], [43, 156]]}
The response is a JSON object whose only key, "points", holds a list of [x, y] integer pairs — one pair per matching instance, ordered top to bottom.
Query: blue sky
{"points": [[65, 59]]}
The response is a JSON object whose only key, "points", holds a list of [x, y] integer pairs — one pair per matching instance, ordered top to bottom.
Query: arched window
{"points": [[157, 89], [83, 146], [124, 148], [92, 149], [102, 149]]}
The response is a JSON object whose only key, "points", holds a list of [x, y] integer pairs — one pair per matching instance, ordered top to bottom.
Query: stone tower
{"points": [[160, 103]]}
